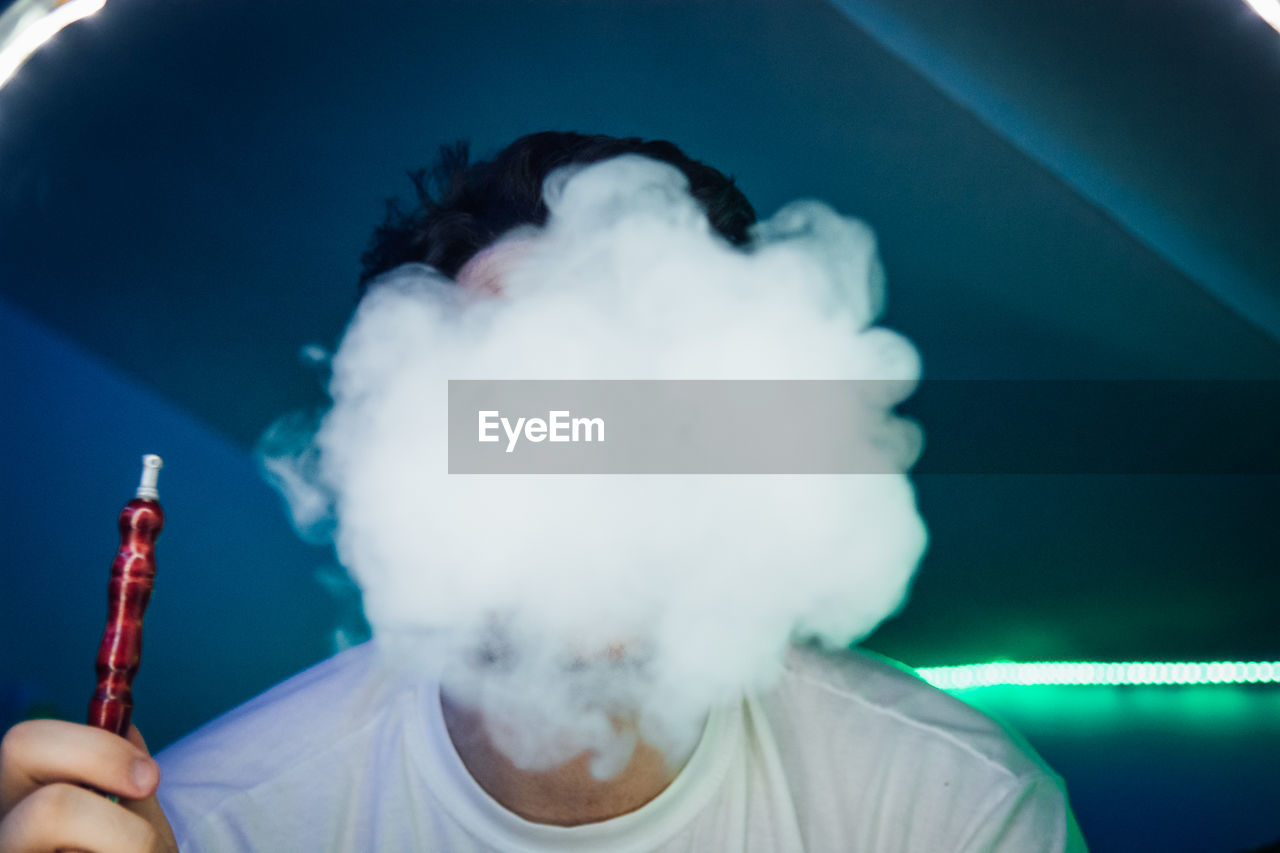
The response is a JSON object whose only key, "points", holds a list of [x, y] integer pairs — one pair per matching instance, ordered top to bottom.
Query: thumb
{"points": [[135, 737], [148, 808]]}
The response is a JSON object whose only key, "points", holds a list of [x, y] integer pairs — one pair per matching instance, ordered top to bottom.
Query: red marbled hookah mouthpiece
{"points": [[132, 575]]}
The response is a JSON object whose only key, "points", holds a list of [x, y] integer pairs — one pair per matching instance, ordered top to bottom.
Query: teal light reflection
{"points": [[1097, 673]]}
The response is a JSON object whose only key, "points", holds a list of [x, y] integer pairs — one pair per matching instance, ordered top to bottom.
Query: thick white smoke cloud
{"points": [[555, 604]]}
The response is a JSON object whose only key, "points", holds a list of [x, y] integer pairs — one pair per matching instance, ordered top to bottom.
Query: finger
{"points": [[38, 752], [63, 816]]}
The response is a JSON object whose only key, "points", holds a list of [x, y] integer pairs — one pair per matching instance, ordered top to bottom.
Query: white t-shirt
{"points": [[847, 753]]}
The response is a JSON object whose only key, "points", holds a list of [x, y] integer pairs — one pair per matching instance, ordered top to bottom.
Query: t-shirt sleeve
{"points": [[1030, 816]]}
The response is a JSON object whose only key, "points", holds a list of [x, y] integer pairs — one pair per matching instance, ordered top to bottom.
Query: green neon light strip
{"points": [[1084, 672]]}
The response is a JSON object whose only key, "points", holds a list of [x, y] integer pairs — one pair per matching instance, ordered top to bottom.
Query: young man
{"points": [[844, 752]]}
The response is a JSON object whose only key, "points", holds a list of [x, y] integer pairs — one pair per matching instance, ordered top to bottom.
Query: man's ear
{"points": [[485, 272]]}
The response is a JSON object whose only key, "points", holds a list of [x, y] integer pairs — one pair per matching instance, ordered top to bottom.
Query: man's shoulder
{"points": [[875, 699], [279, 729], [872, 751], [279, 767]]}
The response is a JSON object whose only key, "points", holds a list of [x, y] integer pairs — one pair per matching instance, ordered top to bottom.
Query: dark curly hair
{"points": [[462, 207]]}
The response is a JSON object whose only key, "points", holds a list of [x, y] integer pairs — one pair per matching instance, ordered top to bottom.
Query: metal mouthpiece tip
{"points": [[151, 465]]}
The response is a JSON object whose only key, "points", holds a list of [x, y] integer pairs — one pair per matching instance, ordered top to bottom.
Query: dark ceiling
{"points": [[1061, 190]]}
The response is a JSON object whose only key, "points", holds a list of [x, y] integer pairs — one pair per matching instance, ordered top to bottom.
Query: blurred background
{"points": [[1075, 192]]}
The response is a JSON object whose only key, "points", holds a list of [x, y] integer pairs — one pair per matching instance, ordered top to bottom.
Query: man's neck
{"points": [[567, 795]]}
